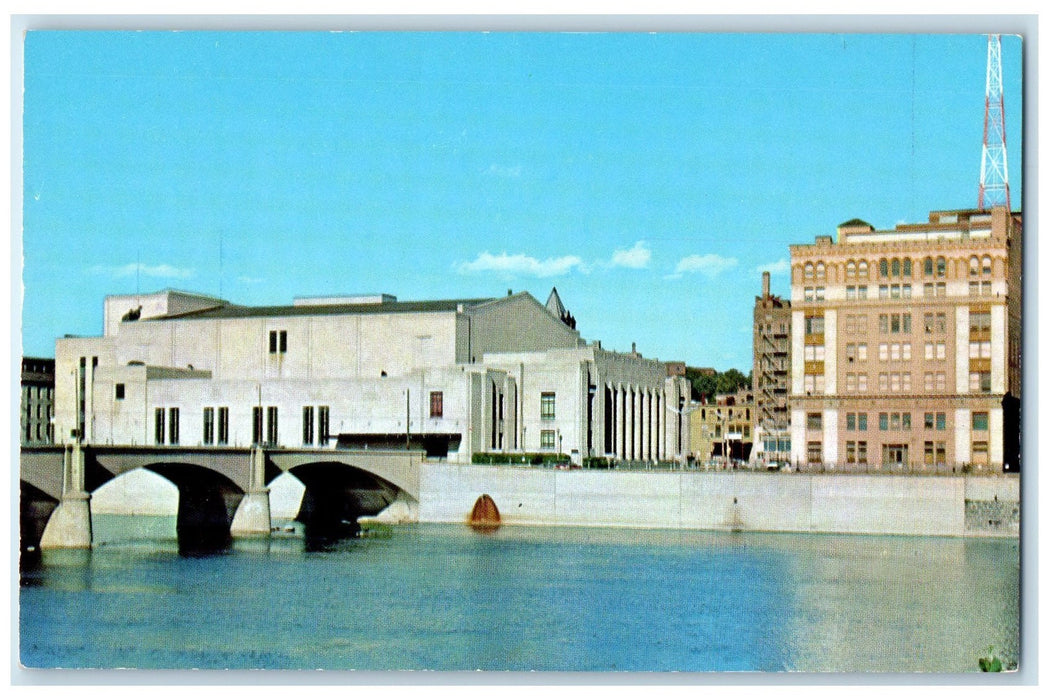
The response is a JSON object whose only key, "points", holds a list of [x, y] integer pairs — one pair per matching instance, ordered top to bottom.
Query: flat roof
{"points": [[393, 307]]}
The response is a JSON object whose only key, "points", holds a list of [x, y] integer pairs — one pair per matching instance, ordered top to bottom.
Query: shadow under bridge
{"points": [[344, 485]]}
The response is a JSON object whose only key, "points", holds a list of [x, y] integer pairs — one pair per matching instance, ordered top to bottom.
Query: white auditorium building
{"points": [[454, 377]]}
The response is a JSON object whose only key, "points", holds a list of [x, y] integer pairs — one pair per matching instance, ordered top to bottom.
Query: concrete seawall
{"points": [[753, 501]]}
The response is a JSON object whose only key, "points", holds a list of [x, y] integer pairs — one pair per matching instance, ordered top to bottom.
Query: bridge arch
{"points": [[337, 493]]}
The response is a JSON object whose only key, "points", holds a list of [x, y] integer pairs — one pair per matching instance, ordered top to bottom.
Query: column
{"points": [[620, 422], [636, 432], [642, 450], [253, 514], [69, 527]]}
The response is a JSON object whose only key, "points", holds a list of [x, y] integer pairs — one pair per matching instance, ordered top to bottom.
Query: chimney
{"points": [[765, 285]]}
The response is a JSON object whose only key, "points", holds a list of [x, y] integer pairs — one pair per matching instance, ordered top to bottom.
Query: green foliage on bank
{"points": [[710, 385], [535, 458]]}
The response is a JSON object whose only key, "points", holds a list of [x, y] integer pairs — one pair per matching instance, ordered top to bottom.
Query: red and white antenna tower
{"points": [[994, 168]]}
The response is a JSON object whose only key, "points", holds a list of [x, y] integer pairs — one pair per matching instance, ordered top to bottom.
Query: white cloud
{"points": [[504, 170], [637, 257], [519, 264], [710, 264], [780, 267], [132, 269]]}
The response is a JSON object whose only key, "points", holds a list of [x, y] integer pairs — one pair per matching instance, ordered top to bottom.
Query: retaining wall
{"points": [[867, 504]]}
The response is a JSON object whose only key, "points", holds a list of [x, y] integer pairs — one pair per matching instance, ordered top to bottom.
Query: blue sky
{"points": [[649, 177]]}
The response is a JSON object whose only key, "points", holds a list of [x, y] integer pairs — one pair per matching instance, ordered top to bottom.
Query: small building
{"points": [[37, 401], [722, 430]]}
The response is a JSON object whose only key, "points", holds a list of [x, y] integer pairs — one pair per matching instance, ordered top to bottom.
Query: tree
{"points": [[710, 385]]}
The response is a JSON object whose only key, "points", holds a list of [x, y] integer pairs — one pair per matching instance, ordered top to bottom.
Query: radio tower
{"points": [[994, 168]]}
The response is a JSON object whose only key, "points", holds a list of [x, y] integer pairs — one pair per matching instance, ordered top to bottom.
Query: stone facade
{"points": [[906, 344], [453, 377], [37, 401]]}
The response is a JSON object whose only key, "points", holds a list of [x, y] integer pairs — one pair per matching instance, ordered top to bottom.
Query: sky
{"points": [[649, 177]]}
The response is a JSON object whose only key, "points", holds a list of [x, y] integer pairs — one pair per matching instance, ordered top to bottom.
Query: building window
{"points": [[986, 264], [883, 267], [906, 267], [928, 267], [941, 267], [980, 322], [813, 325], [278, 342], [980, 349], [814, 353], [861, 381], [850, 382], [980, 382], [814, 383], [119, 392], [547, 402], [436, 404], [814, 421], [850, 421], [883, 421], [979, 421], [323, 424], [223, 425], [256, 425], [271, 425], [307, 425], [158, 426], [173, 426], [209, 426], [547, 439], [814, 451], [850, 452], [979, 452], [894, 454]]}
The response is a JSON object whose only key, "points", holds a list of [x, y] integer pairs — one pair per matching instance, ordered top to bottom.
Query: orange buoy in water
{"points": [[485, 515]]}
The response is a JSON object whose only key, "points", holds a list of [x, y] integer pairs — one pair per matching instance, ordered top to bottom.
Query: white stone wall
{"points": [[961, 350], [830, 351], [797, 353], [999, 356], [962, 435], [859, 504]]}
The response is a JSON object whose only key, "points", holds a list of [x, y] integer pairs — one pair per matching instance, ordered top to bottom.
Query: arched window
{"points": [[987, 264], [974, 266], [883, 267], [895, 267], [906, 267], [928, 267], [941, 267], [850, 269], [862, 269], [808, 270], [821, 271]]}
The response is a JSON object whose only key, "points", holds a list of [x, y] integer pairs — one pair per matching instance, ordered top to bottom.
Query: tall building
{"points": [[906, 344], [771, 375], [453, 377], [37, 402]]}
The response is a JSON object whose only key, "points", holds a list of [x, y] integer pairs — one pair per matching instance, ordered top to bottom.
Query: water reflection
{"points": [[552, 599]]}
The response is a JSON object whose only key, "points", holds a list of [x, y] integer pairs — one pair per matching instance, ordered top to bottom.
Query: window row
{"points": [[894, 268], [894, 323], [894, 351]]}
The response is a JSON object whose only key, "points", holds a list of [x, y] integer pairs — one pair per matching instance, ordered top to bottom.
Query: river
{"points": [[445, 598]]}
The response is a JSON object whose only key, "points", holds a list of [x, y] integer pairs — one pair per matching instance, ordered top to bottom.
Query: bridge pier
{"points": [[252, 518], [70, 525]]}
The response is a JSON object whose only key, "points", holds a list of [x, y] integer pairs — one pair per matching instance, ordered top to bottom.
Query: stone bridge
{"points": [[223, 491]]}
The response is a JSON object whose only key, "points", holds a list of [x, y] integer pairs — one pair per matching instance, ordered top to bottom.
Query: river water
{"points": [[443, 597]]}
